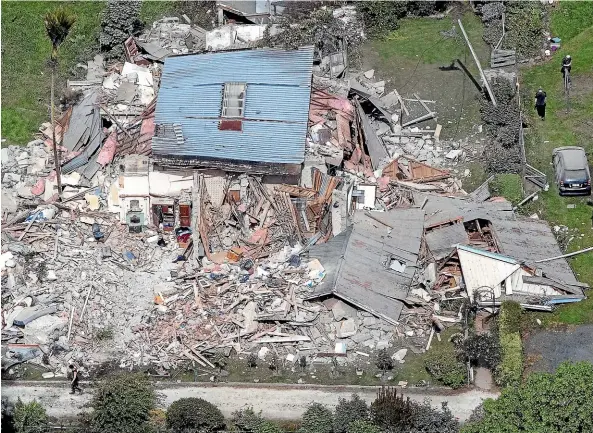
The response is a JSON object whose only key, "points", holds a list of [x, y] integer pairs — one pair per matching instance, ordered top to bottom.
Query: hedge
{"points": [[510, 369]]}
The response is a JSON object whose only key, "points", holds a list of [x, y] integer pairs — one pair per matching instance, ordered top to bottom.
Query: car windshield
{"points": [[576, 174]]}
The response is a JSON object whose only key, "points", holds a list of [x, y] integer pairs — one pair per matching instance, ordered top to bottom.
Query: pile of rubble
{"points": [[373, 249]]}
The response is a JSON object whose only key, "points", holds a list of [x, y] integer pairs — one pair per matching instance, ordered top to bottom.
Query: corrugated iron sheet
{"points": [[276, 105]]}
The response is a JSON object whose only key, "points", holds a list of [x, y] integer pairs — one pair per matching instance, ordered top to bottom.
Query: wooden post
{"points": [[492, 98]]}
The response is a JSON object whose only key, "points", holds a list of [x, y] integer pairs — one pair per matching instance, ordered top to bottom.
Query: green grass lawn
{"points": [[420, 39], [25, 51], [562, 128], [508, 186]]}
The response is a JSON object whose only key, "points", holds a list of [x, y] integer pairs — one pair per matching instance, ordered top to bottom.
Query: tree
{"points": [[57, 26], [553, 403], [123, 404], [349, 411], [188, 415], [29, 418], [317, 419], [426, 419]]}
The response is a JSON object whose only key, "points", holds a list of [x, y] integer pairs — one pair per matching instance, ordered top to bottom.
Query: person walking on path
{"points": [[566, 66], [540, 103], [74, 383]]}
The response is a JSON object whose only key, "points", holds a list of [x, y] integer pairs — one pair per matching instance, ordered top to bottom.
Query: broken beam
{"points": [[478, 64]]}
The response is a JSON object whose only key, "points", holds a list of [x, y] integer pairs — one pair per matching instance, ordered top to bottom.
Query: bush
{"points": [[380, 17], [121, 20], [509, 319], [483, 350], [384, 361], [442, 364], [510, 369], [553, 403], [123, 404], [349, 411], [390, 411], [188, 415], [29, 418], [317, 419], [425, 419], [362, 426]]}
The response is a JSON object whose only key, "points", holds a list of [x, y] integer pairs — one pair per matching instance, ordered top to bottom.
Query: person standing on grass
{"points": [[540, 103], [74, 382]]}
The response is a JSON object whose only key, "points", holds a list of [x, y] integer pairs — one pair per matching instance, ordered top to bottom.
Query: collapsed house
{"points": [[229, 202]]}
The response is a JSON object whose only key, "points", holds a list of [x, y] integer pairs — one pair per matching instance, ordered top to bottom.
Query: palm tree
{"points": [[57, 26]]}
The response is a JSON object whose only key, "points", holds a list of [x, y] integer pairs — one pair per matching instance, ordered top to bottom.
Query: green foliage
{"points": [[381, 17], [121, 20], [524, 23], [57, 27], [318, 28], [25, 52], [509, 319], [483, 349], [252, 360], [384, 361], [442, 364], [510, 369], [553, 403], [122, 404], [349, 411], [390, 411], [188, 415], [30, 418], [317, 419], [425, 419], [246, 420], [362, 426]]}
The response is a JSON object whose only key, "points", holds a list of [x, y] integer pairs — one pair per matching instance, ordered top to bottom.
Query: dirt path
{"points": [[275, 402]]}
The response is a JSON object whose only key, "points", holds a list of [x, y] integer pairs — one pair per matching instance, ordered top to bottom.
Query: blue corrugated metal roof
{"points": [[276, 105]]}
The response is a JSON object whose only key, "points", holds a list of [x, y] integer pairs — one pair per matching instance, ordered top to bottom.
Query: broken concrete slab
{"points": [[369, 74], [341, 310], [27, 315], [347, 329], [399, 355]]}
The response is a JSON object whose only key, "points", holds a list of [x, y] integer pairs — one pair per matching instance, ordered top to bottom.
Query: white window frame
{"points": [[233, 100]]}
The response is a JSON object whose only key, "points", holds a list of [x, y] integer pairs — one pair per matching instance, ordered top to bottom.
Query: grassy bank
{"points": [[573, 22], [25, 51]]}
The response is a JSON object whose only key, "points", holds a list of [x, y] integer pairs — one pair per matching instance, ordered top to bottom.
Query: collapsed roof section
{"points": [[373, 263]]}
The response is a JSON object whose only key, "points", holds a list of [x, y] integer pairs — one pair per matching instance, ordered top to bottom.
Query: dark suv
{"points": [[572, 170]]}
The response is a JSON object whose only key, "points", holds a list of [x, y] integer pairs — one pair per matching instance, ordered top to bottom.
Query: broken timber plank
{"points": [[478, 64], [430, 115], [291, 339]]}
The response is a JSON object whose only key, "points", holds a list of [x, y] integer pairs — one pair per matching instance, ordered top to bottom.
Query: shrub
{"points": [[381, 17], [120, 21], [509, 319], [483, 349], [252, 360], [384, 361], [442, 364], [510, 369], [553, 403], [122, 404], [349, 411], [390, 411], [194, 415], [29, 418], [317, 419], [426, 419], [362, 426]]}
